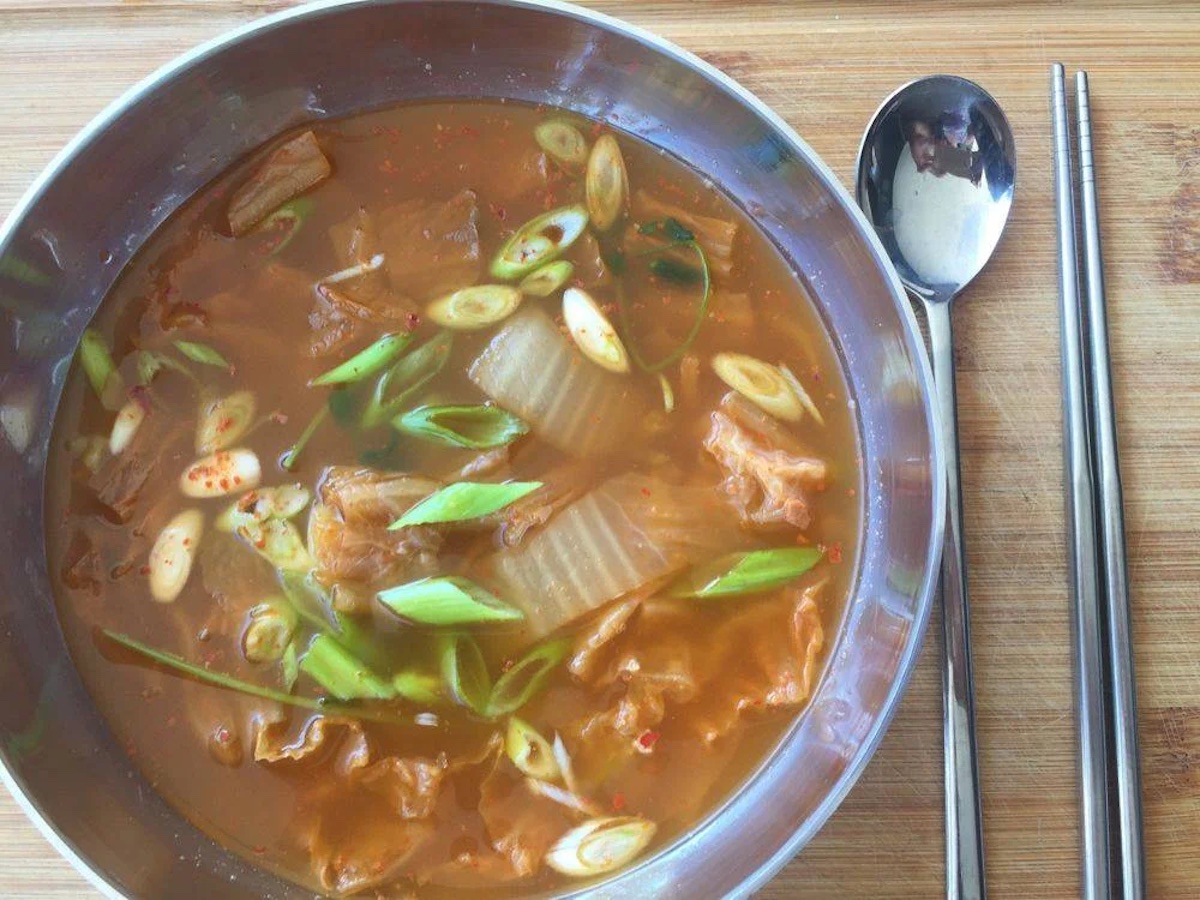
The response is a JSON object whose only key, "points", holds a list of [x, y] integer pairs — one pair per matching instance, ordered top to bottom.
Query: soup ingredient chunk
{"points": [[289, 171], [431, 248], [768, 478]]}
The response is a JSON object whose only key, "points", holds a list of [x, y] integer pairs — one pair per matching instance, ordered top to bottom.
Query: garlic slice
{"points": [[125, 426], [220, 474], [173, 553]]}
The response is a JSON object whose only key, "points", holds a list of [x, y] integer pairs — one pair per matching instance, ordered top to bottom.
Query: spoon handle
{"points": [[964, 819]]}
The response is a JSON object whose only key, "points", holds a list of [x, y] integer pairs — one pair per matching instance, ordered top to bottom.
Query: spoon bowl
{"points": [[936, 174]]}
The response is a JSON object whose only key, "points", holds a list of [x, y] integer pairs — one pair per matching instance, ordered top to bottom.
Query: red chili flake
{"points": [[468, 131], [387, 167], [498, 211], [412, 321], [279, 418], [225, 424], [224, 484], [645, 492], [851, 492], [835, 553], [144, 570], [507, 664], [646, 740], [618, 801], [260, 850]]}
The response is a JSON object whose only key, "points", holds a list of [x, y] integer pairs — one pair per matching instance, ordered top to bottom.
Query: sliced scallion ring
{"points": [[563, 143], [606, 183], [539, 241], [549, 278], [475, 307], [592, 332], [202, 353], [367, 361], [407, 376], [761, 383], [801, 394], [471, 427], [464, 501], [747, 573], [447, 600], [464, 671], [519, 684], [529, 751], [599, 846]]}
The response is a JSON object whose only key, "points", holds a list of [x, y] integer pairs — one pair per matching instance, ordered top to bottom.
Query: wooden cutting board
{"points": [[825, 67]]}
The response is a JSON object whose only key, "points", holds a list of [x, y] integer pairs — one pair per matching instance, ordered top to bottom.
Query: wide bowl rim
{"points": [[829, 181]]}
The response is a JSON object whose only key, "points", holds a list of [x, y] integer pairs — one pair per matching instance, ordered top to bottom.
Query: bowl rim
{"points": [[113, 111]]}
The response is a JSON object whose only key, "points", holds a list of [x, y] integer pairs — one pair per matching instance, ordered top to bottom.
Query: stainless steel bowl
{"points": [[151, 150]]}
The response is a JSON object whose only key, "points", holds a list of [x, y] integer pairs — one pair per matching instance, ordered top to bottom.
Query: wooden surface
{"points": [[825, 67]]}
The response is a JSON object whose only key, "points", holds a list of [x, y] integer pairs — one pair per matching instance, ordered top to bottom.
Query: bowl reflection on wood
{"points": [[171, 135]]}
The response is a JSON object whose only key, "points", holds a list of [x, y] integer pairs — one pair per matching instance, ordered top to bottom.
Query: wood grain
{"points": [[824, 67]]}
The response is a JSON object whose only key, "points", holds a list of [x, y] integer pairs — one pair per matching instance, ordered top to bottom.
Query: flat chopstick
{"points": [[1081, 526], [1126, 814]]}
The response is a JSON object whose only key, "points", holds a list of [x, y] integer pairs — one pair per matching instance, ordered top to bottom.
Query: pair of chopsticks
{"points": [[1111, 791]]}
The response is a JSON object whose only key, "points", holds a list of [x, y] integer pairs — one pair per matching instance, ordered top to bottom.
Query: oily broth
{"points": [[167, 724]]}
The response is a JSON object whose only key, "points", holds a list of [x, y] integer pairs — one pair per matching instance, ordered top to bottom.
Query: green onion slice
{"points": [[563, 143], [606, 183], [285, 223], [539, 241], [549, 278], [475, 307], [202, 353], [366, 362], [149, 364], [100, 369], [410, 373], [761, 383], [472, 427], [291, 456], [465, 500], [747, 573], [447, 600], [289, 667], [464, 672], [341, 673], [229, 682], [518, 685], [418, 687], [530, 752]]}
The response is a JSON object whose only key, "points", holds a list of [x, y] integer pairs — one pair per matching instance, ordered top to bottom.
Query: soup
{"points": [[456, 497]]}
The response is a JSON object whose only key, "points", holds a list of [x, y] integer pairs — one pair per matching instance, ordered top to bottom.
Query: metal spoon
{"points": [[936, 172]]}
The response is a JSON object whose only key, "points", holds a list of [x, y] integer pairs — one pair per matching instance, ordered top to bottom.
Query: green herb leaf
{"points": [[286, 222], [676, 231], [671, 269], [697, 321], [202, 353], [366, 362], [100, 369], [410, 373], [472, 427], [291, 456], [463, 501], [747, 573], [447, 600], [464, 672], [341, 673], [229, 682], [518, 685], [418, 687]]}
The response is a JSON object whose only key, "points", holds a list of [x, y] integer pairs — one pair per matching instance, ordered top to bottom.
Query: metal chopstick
{"points": [[1081, 527], [1122, 723]]}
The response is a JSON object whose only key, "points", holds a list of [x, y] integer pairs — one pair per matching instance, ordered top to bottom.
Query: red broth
{"points": [[396, 754]]}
